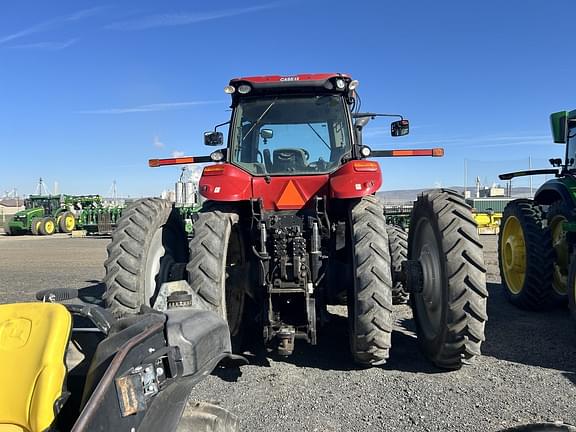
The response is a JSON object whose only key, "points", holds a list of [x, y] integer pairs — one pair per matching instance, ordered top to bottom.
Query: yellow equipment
{"points": [[488, 223], [33, 342]]}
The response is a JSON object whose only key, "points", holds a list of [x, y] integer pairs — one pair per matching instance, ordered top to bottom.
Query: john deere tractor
{"points": [[43, 215], [291, 224], [537, 236]]}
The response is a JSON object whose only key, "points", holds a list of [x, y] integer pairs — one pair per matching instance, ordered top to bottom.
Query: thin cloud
{"points": [[180, 19], [48, 25], [48, 46], [149, 108], [484, 141], [157, 143], [177, 153]]}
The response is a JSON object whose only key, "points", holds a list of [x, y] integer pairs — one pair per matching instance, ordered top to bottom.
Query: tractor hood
{"points": [[29, 213]]}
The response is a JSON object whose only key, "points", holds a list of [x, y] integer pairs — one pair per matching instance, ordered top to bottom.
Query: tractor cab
{"points": [[290, 125], [563, 125], [299, 135], [47, 202]]}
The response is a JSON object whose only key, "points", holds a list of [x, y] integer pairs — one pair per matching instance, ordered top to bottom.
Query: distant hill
{"points": [[411, 194]]}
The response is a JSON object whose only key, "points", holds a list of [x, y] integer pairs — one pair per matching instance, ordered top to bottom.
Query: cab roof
{"points": [[288, 78], [318, 83]]}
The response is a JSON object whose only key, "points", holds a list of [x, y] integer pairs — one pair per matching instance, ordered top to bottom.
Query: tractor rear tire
{"points": [[558, 213], [66, 222], [35, 224], [47, 226], [398, 242], [147, 245], [526, 256], [219, 269], [572, 286], [370, 299], [450, 305]]}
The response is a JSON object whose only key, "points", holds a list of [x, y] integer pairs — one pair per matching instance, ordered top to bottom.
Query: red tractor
{"points": [[291, 224]]}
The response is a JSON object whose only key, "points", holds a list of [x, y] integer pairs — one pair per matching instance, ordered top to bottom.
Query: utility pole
{"points": [[465, 177], [41, 188]]}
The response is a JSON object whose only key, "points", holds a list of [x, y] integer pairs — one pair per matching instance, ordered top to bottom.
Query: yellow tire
{"points": [[558, 214], [66, 222], [35, 224], [47, 226], [526, 256]]}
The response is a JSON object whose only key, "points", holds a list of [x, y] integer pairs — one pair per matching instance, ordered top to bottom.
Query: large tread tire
{"points": [[558, 213], [35, 224], [63, 225], [47, 226], [147, 241], [398, 242], [531, 258], [218, 270], [370, 301], [450, 311]]}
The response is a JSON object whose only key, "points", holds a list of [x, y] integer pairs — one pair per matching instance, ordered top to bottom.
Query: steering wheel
{"points": [[259, 154], [306, 154], [319, 165]]}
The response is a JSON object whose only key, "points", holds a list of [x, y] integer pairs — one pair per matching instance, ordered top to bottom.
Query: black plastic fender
{"points": [[553, 190]]}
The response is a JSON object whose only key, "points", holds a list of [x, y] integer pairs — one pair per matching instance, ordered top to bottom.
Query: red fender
{"points": [[355, 179], [225, 182]]}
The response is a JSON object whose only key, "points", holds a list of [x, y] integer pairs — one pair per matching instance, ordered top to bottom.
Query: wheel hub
{"points": [[560, 245], [513, 255], [162, 264], [412, 276], [429, 296]]}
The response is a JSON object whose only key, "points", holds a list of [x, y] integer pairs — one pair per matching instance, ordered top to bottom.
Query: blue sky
{"points": [[90, 90]]}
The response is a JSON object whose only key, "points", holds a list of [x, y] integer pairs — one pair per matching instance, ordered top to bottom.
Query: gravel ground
{"points": [[527, 373]]}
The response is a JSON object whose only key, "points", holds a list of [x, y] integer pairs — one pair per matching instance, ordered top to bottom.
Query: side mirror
{"points": [[559, 124], [400, 128], [266, 134], [213, 138]]}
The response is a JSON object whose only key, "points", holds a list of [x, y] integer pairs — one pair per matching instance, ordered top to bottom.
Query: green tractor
{"points": [[43, 215], [537, 256]]}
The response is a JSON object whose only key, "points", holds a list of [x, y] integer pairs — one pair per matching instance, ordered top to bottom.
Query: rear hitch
{"points": [[286, 336]]}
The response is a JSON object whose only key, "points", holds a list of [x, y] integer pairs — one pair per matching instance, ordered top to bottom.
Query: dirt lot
{"points": [[527, 373]]}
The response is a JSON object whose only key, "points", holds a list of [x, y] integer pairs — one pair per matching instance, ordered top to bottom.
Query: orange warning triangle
{"points": [[291, 197]]}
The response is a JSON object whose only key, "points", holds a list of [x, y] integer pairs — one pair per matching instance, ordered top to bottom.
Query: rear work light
{"points": [[244, 89]]}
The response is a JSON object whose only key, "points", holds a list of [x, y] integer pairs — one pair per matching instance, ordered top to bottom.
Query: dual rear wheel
{"points": [[66, 222], [150, 247], [534, 256], [448, 303]]}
